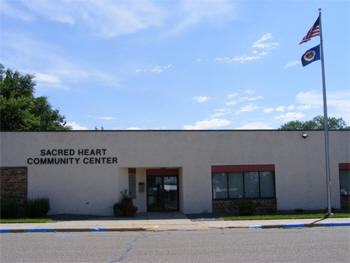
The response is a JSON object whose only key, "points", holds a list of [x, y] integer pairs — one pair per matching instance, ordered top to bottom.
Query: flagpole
{"points": [[325, 117]]}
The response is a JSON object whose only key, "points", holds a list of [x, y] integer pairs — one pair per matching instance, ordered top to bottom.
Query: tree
{"points": [[20, 110], [316, 123]]}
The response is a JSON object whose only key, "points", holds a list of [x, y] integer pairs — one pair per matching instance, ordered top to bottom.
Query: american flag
{"points": [[314, 31]]}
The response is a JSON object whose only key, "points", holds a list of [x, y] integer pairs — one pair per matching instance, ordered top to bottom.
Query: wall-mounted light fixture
{"points": [[304, 135]]}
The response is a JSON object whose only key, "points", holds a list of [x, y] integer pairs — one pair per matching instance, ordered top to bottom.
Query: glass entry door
{"points": [[162, 193]]}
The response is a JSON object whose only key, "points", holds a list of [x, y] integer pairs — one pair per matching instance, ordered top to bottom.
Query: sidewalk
{"points": [[163, 222]]}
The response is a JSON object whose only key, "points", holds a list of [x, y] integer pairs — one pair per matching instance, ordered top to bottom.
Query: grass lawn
{"points": [[285, 216], [25, 220]]}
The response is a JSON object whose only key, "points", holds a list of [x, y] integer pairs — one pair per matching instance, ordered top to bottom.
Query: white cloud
{"points": [[8, 9], [190, 13], [107, 18], [110, 18], [261, 43], [255, 54], [243, 59], [199, 60], [292, 64], [53, 69], [155, 69], [159, 69], [47, 78], [48, 81], [249, 91], [229, 96], [252, 98], [312, 98], [200, 99], [234, 102], [337, 102], [230, 103], [304, 107], [247, 108], [280, 108], [268, 110], [216, 115], [290, 116], [103, 118], [208, 124], [76, 126], [255, 126], [133, 128], [160, 128]]}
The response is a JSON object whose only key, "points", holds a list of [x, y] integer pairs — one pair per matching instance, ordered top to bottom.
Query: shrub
{"points": [[126, 201], [125, 206], [246, 207], [37, 208], [9, 209], [118, 210], [131, 210]]}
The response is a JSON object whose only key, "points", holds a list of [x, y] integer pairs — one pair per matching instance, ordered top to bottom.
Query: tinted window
{"points": [[219, 186], [251, 187]]}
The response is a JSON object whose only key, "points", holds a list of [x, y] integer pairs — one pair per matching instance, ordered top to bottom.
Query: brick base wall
{"points": [[13, 184], [345, 202], [267, 205]]}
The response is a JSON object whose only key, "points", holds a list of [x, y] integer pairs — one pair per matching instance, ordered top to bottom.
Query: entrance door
{"points": [[162, 193]]}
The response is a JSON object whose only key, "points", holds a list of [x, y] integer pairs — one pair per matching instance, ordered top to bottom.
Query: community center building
{"points": [[83, 172]]}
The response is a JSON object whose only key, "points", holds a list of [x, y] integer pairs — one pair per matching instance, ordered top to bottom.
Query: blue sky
{"points": [[179, 64]]}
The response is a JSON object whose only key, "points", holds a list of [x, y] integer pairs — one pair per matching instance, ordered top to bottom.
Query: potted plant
{"points": [[125, 206], [118, 210], [131, 210]]}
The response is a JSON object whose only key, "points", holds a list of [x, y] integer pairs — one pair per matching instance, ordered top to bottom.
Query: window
{"points": [[235, 182], [243, 182], [344, 182], [132, 183], [251, 184], [267, 184], [219, 186]]}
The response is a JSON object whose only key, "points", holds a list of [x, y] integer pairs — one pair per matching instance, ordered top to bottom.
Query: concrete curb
{"points": [[283, 226], [156, 228], [93, 229]]}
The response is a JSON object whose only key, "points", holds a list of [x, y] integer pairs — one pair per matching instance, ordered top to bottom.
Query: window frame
{"points": [[343, 167], [132, 183], [244, 183]]}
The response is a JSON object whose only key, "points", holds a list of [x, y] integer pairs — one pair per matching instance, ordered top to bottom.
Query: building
{"points": [[83, 172]]}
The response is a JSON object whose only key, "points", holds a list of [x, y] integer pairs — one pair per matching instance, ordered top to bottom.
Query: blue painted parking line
{"points": [[336, 224], [293, 225], [255, 226], [98, 229], [40, 230]]}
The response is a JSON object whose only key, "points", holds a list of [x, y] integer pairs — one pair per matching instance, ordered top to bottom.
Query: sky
{"points": [[179, 64]]}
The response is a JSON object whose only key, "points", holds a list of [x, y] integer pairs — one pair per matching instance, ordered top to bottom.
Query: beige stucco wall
{"points": [[92, 189]]}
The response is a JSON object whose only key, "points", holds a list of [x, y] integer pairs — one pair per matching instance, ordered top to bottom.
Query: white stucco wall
{"points": [[92, 189]]}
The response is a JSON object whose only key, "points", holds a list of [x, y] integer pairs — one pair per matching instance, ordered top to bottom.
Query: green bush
{"points": [[126, 200], [125, 206], [246, 207], [37, 208], [9, 209], [118, 210], [131, 210]]}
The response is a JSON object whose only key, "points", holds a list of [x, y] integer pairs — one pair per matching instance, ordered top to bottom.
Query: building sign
{"points": [[73, 157]]}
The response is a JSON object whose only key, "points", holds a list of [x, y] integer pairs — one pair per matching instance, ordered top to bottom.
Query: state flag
{"points": [[311, 55]]}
